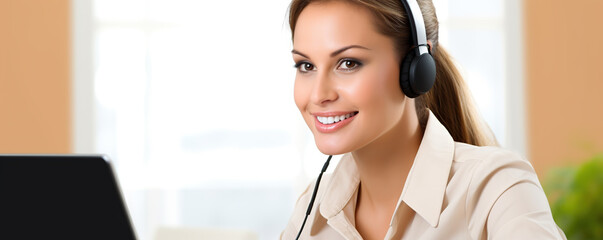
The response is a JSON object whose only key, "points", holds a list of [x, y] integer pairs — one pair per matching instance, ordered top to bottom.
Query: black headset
{"points": [[418, 69], [417, 74]]}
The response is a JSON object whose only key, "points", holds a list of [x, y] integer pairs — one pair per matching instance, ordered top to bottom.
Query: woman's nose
{"points": [[324, 90]]}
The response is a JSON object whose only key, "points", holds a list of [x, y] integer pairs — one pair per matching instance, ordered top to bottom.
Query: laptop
{"points": [[61, 197]]}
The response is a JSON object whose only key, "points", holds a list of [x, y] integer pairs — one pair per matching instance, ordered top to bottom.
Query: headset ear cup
{"points": [[422, 74], [405, 76]]}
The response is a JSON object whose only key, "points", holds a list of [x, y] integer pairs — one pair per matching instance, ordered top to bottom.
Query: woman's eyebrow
{"points": [[299, 53], [335, 53]]}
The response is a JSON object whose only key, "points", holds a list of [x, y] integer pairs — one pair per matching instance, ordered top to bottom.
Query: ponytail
{"points": [[451, 102]]}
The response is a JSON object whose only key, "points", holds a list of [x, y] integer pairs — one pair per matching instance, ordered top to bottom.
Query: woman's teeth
{"points": [[331, 120]]}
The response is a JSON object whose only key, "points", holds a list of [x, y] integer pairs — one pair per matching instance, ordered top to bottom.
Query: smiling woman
{"points": [[416, 166]]}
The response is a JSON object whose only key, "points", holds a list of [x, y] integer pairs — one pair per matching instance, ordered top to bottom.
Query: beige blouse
{"points": [[458, 191]]}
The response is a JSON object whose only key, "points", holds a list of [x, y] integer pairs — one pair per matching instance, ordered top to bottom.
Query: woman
{"points": [[414, 168]]}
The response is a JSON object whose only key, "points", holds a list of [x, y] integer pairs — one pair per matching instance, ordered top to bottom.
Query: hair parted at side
{"points": [[449, 99]]}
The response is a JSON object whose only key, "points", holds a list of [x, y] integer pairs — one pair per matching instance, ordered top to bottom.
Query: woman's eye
{"points": [[348, 64], [304, 66], [307, 67]]}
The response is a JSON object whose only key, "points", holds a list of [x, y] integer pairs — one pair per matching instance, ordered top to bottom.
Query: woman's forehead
{"points": [[333, 24]]}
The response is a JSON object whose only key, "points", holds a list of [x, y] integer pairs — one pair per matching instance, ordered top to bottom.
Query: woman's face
{"points": [[346, 86]]}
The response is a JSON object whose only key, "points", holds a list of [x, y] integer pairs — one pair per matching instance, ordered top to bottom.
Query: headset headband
{"points": [[417, 25]]}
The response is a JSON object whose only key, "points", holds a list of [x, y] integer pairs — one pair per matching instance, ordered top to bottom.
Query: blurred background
{"points": [[193, 100]]}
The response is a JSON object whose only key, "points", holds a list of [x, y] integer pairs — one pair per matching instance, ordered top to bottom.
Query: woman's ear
{"points": [[430, 44]]}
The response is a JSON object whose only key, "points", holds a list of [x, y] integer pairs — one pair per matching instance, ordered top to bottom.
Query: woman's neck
{"points": [[384, 164]]}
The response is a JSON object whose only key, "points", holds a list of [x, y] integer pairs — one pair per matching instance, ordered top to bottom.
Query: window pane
{"points": [[472, 9], [483, 71]]}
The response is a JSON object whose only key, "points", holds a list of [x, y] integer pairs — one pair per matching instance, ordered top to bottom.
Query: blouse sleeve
{"points": [[505, 201], [522, 212]]}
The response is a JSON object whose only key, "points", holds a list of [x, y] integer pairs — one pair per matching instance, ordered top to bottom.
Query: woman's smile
{"points": [[328, 122]]}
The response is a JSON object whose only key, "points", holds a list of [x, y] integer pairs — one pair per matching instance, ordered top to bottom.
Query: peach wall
{"points": [[34, 76], [564, 80]]}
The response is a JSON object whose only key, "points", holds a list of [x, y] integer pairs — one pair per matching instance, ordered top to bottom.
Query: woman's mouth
{"points": [[330, 122]]}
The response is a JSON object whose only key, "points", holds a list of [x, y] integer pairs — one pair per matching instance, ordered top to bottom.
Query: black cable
{"points": [[324, 168]]}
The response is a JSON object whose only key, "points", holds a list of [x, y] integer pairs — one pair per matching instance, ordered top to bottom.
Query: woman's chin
{"points": [[331, 147]]}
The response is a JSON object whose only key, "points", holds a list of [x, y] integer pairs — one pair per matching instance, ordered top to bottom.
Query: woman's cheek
{"points": [[390, 79], [363, 90], [299, 95]]}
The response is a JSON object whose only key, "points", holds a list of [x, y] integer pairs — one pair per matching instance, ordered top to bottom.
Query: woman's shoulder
{"points": [[466, 152], [483, 161], [490, 167], [485, 173], [501, 193]]}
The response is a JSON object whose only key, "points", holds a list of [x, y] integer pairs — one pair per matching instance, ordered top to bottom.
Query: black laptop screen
{"points": [[60, 197]]}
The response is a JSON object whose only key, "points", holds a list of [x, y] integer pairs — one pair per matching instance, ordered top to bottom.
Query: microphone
{"points": [[324, 168]]}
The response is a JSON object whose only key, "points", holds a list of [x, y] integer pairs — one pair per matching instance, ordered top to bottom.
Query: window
{"points": [[193, 102]]}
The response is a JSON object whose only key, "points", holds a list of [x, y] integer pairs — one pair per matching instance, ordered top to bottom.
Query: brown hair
{"points": [[449, 99]]}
